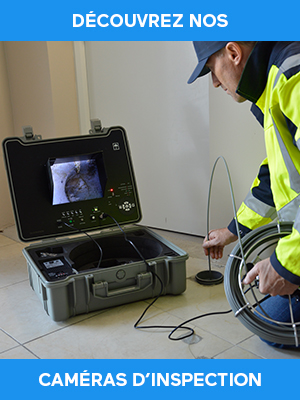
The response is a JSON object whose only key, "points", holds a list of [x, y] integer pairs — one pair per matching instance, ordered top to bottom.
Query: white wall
{"points": [[42, 86], [143, 87], [38, 88], [7, 129], [176, 131], [236, 135]]}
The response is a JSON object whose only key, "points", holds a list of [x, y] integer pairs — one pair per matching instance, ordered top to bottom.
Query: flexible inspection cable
{"points": [[238, 295], [256, 320]]}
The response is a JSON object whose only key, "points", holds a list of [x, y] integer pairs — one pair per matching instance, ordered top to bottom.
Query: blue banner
{"points": [[155, 20], [60, 379]]}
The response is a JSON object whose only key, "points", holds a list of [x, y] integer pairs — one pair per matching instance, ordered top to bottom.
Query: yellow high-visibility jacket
{"points": [[271, 81]]}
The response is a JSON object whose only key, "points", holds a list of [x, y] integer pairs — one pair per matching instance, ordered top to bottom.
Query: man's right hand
{"points": [[218, 239]]}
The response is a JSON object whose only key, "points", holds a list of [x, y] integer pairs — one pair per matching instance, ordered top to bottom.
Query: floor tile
{"points": [[11, 232], [5, 240], [13, 267], [201, 301], [22, 315], [26, 331], [112, 335], [6, 342], [209, 346], [258, 347], [17, 353], [237, 353]]}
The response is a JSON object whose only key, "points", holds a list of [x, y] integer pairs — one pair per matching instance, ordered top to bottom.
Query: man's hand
{"points": [[218, 239], [270, 282]]}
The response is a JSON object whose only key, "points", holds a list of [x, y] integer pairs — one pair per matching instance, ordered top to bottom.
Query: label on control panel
{"points": [[53, 264]]}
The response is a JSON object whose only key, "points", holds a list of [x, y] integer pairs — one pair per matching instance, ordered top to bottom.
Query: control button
{"points": [[127, 206], [93, 217], [59, 223], [61, 274]]}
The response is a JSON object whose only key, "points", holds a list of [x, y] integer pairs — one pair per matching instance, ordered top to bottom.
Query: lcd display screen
{"points": [[76, 178]]}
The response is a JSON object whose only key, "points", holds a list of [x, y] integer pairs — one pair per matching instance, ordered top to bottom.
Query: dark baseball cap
{"points": [[204, 50]]}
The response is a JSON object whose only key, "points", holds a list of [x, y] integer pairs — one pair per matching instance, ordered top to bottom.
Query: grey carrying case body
{"points": [[75, 201]]}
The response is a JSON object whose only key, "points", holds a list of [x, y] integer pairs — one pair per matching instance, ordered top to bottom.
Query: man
{"points": [[268, 75]]}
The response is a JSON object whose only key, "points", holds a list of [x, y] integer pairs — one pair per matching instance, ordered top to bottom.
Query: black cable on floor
{"points": [[149, 268], [174, 328]]}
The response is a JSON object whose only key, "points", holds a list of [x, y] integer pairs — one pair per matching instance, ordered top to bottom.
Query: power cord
{"points": [[90, 237], [136, 325], [174, 328]]}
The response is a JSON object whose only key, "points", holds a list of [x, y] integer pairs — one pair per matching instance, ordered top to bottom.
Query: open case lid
{"points": [[64, 184]]}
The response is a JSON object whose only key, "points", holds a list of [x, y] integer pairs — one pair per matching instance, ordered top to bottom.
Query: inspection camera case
{"points": [[75, 201]]}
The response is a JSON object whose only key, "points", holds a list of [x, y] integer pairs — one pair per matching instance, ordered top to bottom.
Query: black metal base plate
{"points": [[209, 277]]}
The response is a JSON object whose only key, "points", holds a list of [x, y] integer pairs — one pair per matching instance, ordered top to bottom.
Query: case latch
{"points": [[96, 126], [28, 134]]}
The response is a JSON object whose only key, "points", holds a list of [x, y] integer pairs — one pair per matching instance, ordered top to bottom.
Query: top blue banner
{"points": [[157, 21]]}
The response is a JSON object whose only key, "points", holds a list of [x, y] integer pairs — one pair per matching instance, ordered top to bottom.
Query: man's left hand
{"points": [[270, 282]]}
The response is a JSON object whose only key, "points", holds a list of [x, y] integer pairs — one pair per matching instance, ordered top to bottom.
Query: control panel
{"points": [[62, 185]]}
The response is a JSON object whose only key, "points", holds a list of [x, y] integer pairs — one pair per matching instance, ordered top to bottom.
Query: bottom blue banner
{"points": [[57, 379]]}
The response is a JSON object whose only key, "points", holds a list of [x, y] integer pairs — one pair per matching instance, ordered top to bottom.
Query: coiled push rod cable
{"points": [[244, 300], [256, 320]]}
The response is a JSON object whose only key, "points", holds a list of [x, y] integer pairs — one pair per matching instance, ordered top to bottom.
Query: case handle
{"points": [[143, 281]]}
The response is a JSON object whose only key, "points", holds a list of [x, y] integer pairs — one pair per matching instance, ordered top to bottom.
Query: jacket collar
{"points": [[255, 74]]}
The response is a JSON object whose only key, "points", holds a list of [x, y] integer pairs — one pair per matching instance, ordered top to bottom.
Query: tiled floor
{"points": [[27, 332]]}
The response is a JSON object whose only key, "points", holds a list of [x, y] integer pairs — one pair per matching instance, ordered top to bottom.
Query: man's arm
{"points": [[258, 208]]}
